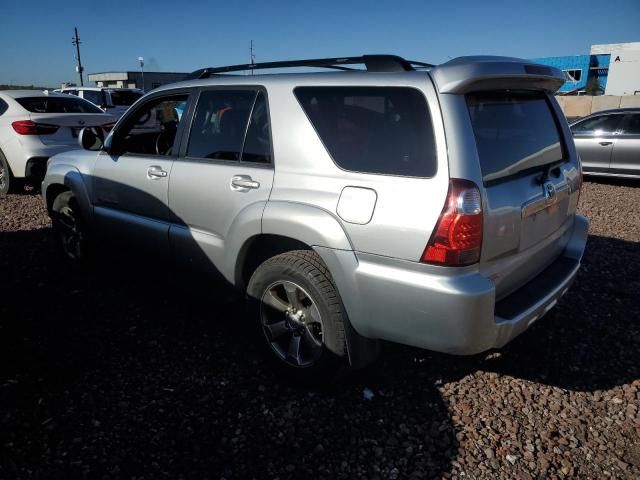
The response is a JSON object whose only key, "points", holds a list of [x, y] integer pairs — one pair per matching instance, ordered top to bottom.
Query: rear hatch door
{"points": [[69, 125], [530, 183]]}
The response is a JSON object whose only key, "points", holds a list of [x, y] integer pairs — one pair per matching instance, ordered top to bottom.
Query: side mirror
{"points": [[91, 138], [106, 146]]}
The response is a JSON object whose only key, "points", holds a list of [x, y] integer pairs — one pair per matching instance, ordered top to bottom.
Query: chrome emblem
{"points": [[549, 191]]}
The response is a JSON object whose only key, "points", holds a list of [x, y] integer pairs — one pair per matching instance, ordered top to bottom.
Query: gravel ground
{"points": [[137, 372]]}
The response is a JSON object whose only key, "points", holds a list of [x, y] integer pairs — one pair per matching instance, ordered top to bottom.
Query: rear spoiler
{"points": [[467, 74]]}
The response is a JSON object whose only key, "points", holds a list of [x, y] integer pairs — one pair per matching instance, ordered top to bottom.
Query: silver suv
{"points": [[432, 206]]}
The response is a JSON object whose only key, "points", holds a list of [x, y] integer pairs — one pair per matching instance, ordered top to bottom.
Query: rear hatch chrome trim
{"points": [[551, 195]]}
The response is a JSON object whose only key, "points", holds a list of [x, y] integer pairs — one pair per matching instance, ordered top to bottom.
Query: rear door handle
{"points": [[604, 144], [156, 172], [243, 183]]}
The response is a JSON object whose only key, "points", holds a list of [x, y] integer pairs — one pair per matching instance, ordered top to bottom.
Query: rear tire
{"points": [[8, 183], [70, 229], [300, 316]]}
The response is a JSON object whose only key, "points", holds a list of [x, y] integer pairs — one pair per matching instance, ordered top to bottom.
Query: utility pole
{"points": [[76, 42], [252, 57], [141, 60]]}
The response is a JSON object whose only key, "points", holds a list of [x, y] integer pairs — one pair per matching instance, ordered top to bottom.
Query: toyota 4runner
{"points": [[432, 206]]}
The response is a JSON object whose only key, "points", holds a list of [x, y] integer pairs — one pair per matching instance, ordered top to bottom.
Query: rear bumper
{"points": [[33, 161], [456, 313]]}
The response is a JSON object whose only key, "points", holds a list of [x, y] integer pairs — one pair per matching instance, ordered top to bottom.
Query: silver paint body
{"points": [[615, 154], [369, 229]]}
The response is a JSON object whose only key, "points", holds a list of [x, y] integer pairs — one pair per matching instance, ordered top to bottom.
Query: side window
{"points": [[95, 97], [3, 106], [220, 123], [632, 124], [599, 125], [152, 129], [384, 130], [257, 145]]}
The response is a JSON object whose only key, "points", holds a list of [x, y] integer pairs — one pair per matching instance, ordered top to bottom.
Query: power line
{"points": [[252, 57]]}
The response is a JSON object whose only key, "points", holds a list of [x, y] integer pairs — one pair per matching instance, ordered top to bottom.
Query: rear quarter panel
{"points": [[406, 209]]}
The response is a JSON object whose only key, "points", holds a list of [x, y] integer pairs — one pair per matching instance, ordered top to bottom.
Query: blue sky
{"points": [[36, 48]]}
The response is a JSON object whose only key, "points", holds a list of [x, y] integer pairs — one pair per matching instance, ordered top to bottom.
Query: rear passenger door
{"points": [[594, 138], [626, 153], [223, 176]]}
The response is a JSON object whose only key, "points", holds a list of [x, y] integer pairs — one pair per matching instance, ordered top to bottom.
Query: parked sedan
{"points": [[35, 125], [608, 142]]}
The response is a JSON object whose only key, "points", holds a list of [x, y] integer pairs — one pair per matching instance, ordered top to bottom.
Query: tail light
{"points": [[27, 127], [107, 127], [457, 238]]}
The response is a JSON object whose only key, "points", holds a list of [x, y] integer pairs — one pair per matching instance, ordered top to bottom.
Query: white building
{"points": [[624, 67], [135, 79]]}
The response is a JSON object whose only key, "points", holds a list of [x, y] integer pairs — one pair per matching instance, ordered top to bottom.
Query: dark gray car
{"points": [[608, 142]]}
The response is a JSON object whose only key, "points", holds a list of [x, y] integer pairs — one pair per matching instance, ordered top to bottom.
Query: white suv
{"points": [[115, 101], [35, 125]]}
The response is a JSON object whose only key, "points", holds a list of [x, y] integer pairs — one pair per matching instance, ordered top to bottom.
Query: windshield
{"points": [[124, 98], [57, 104], [514, 131]]}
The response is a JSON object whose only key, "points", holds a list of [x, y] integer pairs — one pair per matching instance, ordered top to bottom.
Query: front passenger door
{"points": [[131, 180]]}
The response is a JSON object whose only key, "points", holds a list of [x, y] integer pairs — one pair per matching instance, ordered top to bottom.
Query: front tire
{"points": [[70, 229], [300, 316]]}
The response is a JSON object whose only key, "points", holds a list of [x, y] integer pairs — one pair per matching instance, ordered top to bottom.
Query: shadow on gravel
{"points": [[589, 342], [130, 371]]}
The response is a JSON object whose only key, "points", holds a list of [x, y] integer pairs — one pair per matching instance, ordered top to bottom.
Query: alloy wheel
{"points": [[70, 233], [292, 323]]}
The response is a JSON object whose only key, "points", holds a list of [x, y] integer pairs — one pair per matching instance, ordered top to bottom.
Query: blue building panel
{"points": [[582, 67]]}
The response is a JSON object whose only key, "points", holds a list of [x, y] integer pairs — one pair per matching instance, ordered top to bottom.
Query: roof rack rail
{"points": [[373, 63]]}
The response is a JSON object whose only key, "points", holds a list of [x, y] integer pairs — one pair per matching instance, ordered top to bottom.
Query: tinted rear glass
{"points": [[94, 96], [124, 98], [66, 104], [384, 130], [514, 131]]}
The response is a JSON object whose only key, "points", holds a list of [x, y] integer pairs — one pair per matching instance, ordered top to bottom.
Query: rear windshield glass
{"points": [[124, 98], [66, 104], [384, 130], [514, 131]]}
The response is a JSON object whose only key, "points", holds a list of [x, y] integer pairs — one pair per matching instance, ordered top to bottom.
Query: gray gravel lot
{"points": [[141, 372]]}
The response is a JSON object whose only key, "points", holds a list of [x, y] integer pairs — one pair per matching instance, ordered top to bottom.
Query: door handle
{"points": [[604, 144], [155, 172], [243, 183]]}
